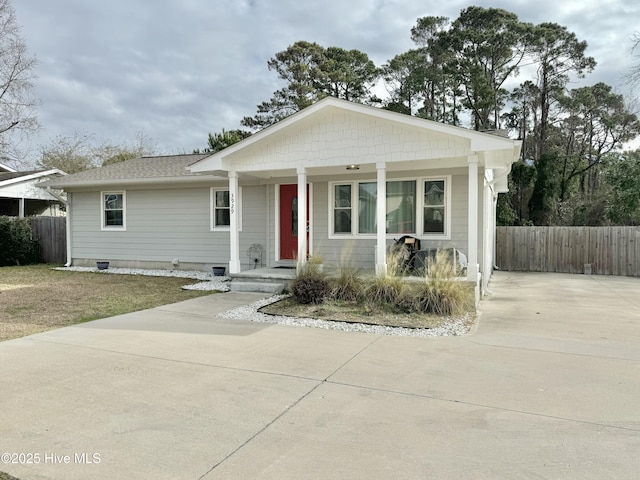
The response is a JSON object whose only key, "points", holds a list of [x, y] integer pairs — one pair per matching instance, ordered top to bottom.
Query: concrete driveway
{"points": [[547, 386]]}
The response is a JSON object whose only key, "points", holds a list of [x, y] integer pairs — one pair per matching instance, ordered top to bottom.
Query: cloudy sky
{"points": [[175, 70]]}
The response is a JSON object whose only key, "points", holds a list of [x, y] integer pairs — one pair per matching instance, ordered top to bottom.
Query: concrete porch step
{"points": [[259, 287]]}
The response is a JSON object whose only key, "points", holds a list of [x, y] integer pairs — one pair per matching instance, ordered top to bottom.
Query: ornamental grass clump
{"points": [[310, 284], [347, 285], [388, 288], [440, 292]]}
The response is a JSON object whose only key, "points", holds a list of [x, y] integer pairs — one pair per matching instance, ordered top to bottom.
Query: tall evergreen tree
{"points": [[487, 45], [312, 72]]}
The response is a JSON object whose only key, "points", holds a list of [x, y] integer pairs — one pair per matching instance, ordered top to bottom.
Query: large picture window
{"points": [[367, 200], [401, 207], [413, 207], [113, 210]]}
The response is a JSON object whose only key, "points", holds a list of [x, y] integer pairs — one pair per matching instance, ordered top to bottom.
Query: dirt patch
{"points": [[36, 298], [353, 313]]}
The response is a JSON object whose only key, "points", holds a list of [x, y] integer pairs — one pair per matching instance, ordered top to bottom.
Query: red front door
{"points": [[289, 221]]}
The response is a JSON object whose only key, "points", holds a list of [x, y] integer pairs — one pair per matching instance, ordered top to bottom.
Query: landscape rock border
{"points": [[452, 327]]}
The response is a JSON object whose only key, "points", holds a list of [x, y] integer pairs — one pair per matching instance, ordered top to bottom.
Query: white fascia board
{"points": [[32, 176]]}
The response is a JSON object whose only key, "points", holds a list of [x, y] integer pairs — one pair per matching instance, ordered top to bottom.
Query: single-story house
{"points": [[334, 177], [21, 197]]}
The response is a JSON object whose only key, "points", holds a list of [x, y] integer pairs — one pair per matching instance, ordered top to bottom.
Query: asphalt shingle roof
{"points": [[143, 168]]}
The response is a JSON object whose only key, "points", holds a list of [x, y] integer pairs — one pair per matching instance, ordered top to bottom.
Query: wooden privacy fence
{"points": [[51, 234], [605, 250]]}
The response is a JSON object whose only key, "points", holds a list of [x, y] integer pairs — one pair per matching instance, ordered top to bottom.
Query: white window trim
{"points": [[419, 209], [447, 209], [111, 228], [225, 228]]}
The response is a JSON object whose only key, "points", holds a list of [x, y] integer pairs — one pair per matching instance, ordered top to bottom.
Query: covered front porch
{"points": [[349, 167], [308, 215]]}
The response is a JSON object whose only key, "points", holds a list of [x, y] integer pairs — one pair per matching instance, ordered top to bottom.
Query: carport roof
{"points": [[7, 178]]}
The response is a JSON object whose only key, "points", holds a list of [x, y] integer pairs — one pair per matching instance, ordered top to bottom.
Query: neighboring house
{"points": [[336, 176], [21, 197]]}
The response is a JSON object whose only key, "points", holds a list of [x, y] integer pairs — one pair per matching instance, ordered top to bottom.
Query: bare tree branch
{"points": [[17, 104]]}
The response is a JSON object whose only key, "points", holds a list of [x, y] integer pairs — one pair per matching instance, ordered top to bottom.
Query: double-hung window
{"points": [[222, 206], [413, 207], [435, 207], [342, 209], [113, 210]]}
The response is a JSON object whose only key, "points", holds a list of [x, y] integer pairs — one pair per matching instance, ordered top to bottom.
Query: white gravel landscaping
{"points": [[207, 281], [453, 327]]}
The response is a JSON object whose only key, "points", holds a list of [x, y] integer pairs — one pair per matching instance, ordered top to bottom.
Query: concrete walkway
{"points": [[547, 386]]}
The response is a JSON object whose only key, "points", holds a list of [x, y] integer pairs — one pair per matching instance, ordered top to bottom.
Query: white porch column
{"points": [[21, 207], [302, 216], [381, 220], [234, 234], [472, 268]]}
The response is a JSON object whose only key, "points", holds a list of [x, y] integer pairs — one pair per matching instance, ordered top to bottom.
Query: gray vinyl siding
{"points": [[165, 224], [254, 224], [162, 225], [362, 250]]}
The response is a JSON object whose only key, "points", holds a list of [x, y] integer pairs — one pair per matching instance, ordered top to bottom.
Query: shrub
{"points": [[16, 244], [310, 284]]}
